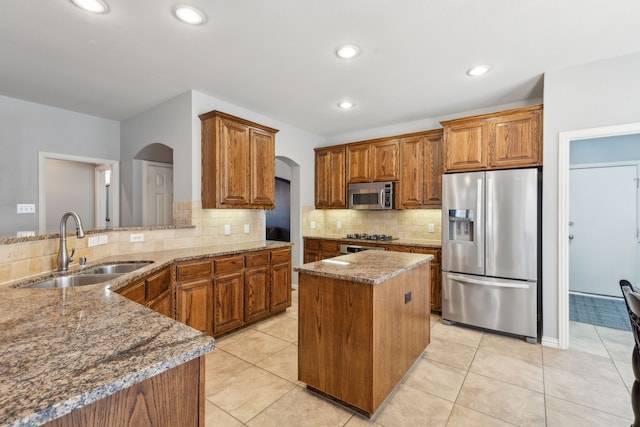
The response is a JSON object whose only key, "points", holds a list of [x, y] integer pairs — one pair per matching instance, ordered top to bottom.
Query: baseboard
{"points": [[550, 342]]}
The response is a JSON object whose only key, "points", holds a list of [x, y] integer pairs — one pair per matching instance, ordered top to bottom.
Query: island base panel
{"points": [[356, 340], [172, 398]]}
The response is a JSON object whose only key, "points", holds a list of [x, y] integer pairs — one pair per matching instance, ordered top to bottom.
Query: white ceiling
{"points": [[276, 57]]}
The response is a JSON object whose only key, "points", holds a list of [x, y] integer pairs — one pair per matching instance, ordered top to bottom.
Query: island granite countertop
{"points": [[372, 267], [62, 349]]}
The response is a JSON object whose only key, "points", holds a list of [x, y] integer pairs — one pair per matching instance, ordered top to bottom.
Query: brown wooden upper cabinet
{"points": [[503, 140], [373, 161], [238, 163], [421, 170], [330, 184]]}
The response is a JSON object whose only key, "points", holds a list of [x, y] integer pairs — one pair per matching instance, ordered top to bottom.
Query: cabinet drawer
{"points": [[278, 257], [255, 259], [228, 265], [194, 270], [157, 284], [135, 291]]}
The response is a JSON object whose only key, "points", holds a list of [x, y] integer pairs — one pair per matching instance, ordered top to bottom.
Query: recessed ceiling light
{"points": [[95, 6], [189, 14], [348, 51], [478, 70], [346, 105]]}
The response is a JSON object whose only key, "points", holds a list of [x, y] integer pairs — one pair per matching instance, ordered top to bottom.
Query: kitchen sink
{"points": [[125, 267], [91, 276], [73, 280]]}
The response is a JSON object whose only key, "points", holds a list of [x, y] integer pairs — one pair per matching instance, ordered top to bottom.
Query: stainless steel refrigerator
{"points": [[490, 259]]}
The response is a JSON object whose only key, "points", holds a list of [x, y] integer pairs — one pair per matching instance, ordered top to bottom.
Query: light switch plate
{"points": [[24, 208], [313, 224], [339, 224], [432, 228], [227, 229], [246, 229], [25, 233], [135, 238], [103, 240], [93, 241]]}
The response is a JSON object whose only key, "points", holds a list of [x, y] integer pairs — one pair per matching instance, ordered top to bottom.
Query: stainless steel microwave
{"points": [[371, 195]]}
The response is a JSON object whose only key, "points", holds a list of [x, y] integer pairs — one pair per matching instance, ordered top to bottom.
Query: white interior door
{"points": [[157, 205], [603, 228]]}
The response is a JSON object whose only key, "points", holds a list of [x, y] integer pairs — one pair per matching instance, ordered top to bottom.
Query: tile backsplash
{"points": [[404, 224], [39, 255]]}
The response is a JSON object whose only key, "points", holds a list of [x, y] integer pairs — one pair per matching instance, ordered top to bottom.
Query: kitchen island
{"points": [[363, 322], [89, 356]]}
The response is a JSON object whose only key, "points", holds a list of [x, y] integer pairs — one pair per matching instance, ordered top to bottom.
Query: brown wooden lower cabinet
{"points": [[313, 252], [153, 291], [217, 295], [194, 304], [172, 398]]}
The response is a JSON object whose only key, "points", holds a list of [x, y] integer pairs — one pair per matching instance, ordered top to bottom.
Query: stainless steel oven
{"points": [[350, 249]]}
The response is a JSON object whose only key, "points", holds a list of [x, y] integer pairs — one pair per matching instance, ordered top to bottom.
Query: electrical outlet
{"points": [[24, 208], [339, 224], [313, 225], [432, 228], [227, 229], [246, 229], [135, 238], [103, 240], [93, 241]]}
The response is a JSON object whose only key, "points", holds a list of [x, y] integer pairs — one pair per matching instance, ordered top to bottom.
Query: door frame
{"points": [[564, 141], [115, 187], [145, 191]]}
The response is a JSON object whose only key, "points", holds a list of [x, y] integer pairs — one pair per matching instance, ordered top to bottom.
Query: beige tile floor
{"points": [[464, 378]]}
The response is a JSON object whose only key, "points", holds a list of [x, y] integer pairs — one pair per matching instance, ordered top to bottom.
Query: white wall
{"points": [[598, 94], [169, 124], [25, 129]]}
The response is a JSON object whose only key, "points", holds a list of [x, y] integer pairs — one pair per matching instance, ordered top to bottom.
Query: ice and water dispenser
{"points": [[461, 223]]}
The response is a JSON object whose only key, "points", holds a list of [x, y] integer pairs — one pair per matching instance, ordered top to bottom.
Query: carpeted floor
{"points": [[609, 312]]}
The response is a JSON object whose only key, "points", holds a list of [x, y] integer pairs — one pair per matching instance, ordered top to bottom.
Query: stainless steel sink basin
{"points": [[126, 267], [91, 276], [73, 280]]}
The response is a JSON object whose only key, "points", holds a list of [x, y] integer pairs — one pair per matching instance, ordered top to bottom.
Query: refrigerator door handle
{"points": [[489, 230], [479, 254], [489, 283]]}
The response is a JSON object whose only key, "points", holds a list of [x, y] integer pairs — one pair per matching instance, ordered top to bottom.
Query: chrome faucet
{"points": [[63, 257]]}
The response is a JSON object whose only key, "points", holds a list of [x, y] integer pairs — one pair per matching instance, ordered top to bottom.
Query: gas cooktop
{"points": [[364, 236]]}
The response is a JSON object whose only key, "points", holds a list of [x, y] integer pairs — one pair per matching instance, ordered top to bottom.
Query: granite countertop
{"points": [[402, 242], [372, 267], [61, 349]]}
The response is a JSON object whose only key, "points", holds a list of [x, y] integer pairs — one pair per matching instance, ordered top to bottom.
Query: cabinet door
{"points": [[516, 140], [466, 146], [432, 159], [385, 160], [234, 163], [358, 163], [263, 169], [411, 173], [330, 184], [280, 280], [436, 280], [135, 291], [256, 293], [228, 302], [194, 303], [163, 304]]}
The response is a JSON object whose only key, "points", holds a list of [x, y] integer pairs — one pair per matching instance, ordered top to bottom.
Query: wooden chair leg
{"points": [[635, 389]]}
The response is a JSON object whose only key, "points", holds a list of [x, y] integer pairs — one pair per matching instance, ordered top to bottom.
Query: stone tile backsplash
{"points": [[404, 224], [29, 258]]}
